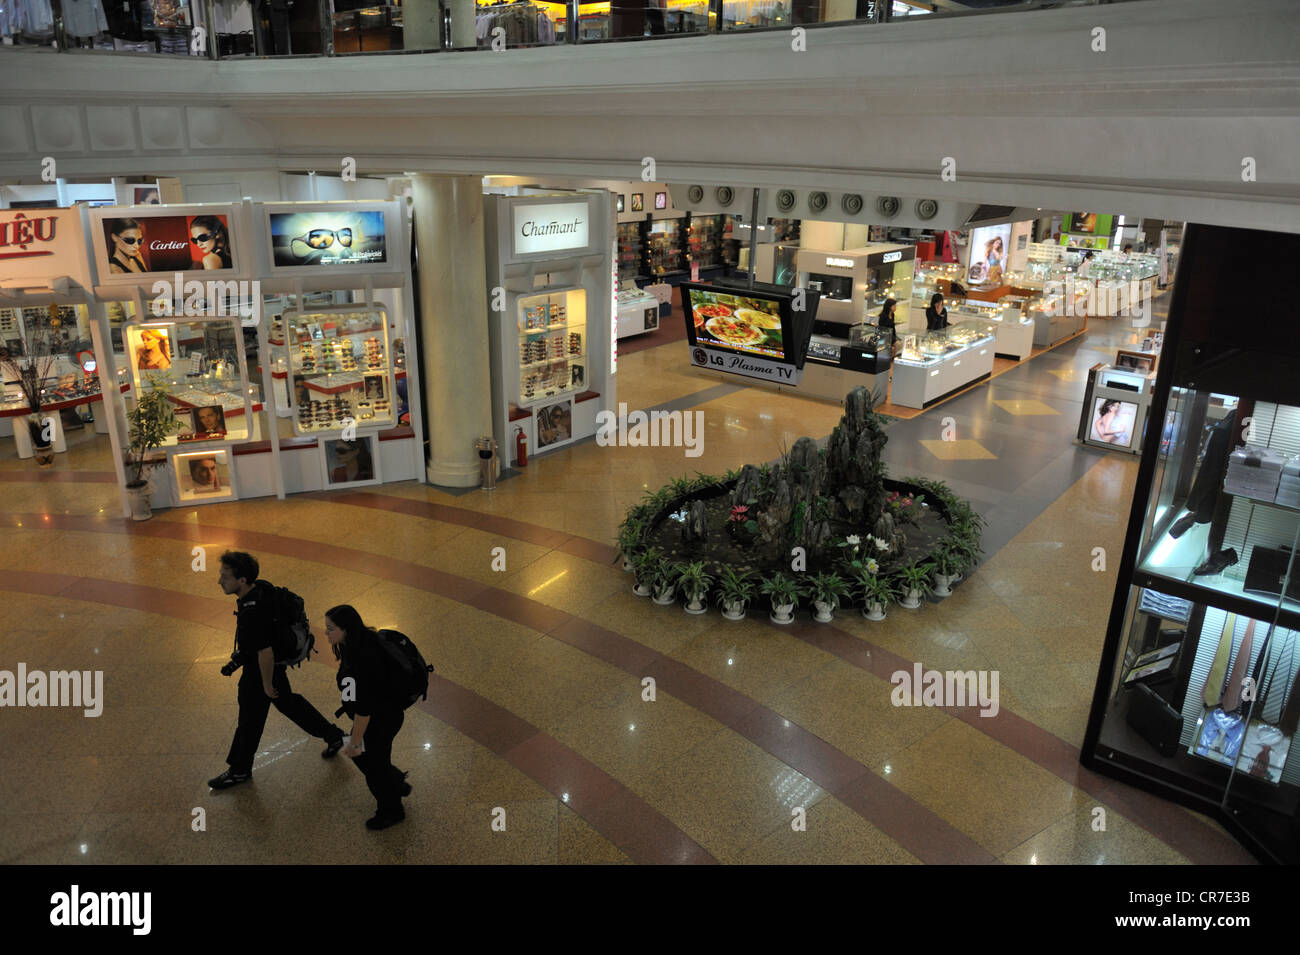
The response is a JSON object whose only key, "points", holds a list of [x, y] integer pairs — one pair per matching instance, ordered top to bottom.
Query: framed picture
{"points": [[145, 196], [661, 200], [638, 202], [620, 203], [149, 347], [1144, 362], [209, 421], [1113, 422], [554, 424], [352, 463], [203, 476]]}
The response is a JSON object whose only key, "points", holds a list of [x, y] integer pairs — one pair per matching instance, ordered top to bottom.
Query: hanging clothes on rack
{"points": [[27, 18], [82, 18], [520, 21]]}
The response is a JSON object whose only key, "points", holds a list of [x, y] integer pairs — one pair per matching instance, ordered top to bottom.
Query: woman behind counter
{"points": [[936, 316]]}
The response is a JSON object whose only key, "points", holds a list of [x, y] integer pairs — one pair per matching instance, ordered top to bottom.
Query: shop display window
{"points": [[705, 238], [664, 246], [629, 249], [552, 345], [199, 367], [340, 367], [71, 371]]}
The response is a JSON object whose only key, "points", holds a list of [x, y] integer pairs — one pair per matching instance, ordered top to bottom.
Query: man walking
{"points": [[262, 682]]}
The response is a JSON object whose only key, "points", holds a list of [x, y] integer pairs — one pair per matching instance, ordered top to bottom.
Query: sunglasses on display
{"points": [[202, 237], [318, 239], [128, 240]]}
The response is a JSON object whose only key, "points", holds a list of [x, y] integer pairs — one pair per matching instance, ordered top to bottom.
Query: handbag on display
{"points": [[1266, 570], [1154, 719]]}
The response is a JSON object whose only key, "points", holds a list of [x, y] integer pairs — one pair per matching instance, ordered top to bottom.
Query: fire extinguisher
{"points": [[521, 448]]}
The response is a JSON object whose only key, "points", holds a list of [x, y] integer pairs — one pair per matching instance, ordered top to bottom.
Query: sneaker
{"points": [[332, 749], [229, 778], [378, 821]]}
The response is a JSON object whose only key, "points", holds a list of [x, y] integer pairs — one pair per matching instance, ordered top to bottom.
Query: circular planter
{"points": [[139, 498], [627, 566], [942, 585], [640, 589], [665, 597], [912, 601], [696, 605], [733, 610], [824, 611], [874, 611], [782, 613]]}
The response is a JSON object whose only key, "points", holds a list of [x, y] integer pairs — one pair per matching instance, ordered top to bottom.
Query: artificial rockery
{"points": [[825, 527]]}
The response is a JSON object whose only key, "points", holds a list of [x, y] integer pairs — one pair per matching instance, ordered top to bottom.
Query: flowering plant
{"points": [[904, 507], [739, 513]]}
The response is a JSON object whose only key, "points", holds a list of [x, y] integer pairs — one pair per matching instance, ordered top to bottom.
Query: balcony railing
{"points": [[248, 29]]}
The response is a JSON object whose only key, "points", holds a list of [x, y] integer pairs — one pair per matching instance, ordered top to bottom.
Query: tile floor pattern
{"points": [[538, 707]]}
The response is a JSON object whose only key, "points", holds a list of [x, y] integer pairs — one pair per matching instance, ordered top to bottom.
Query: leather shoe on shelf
{"points": [[1182, 525], [1217, 563]]}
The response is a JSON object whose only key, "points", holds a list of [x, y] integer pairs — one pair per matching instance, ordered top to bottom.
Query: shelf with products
{"points": [[705, 240], [630, 248], [664, 251], [552, 345], [199, 367], [341, 367]]}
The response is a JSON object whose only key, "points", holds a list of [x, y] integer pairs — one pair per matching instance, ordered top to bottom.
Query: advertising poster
{"points": [[145, 196], [1083, 222], [328, 238], [175, 243], [988, 254], [738, 323], [150, 347], [1112, 422], [554, 424], [350, 462], [203, 475]]}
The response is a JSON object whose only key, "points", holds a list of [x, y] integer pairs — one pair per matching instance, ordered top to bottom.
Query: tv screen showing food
{"points": [[738, 322]]}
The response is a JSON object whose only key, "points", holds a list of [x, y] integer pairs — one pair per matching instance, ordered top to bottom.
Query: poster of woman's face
{"points": [[146, 196], [167, 243], [151, 348], [374, 386], [209, 420], [1113, 421], [554, 424], [350, 462], [203, 475]]}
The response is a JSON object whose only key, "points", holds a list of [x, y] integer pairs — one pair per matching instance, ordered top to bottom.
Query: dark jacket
{"points": [[935, 320], [254, 628], [366, 664]]}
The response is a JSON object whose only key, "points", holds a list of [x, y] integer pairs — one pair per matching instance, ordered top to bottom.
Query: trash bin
{"points": [[487, 453]]}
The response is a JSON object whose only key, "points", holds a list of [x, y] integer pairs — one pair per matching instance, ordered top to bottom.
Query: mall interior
{"points": [[708, 479]]}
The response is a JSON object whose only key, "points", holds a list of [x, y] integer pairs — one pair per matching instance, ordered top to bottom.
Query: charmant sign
{"points": [[551, 227], [39, 243], [748, 365]]}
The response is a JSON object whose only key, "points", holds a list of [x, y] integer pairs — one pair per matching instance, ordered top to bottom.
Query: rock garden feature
{"points": [[823, 528]]}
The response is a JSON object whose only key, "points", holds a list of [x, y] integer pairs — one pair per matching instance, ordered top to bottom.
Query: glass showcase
{"points": [[552, 345], [340, 364], [1198, 697]]}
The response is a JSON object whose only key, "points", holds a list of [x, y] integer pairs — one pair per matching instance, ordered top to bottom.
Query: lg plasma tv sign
{"points": [[550, 227], [328, 239], [167, 243], [748, 332]]}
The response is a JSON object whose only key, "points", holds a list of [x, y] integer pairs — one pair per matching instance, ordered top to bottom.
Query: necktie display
{"points": [[1240, 670], [1214, 682], [1277, 682], [1291, 710]]}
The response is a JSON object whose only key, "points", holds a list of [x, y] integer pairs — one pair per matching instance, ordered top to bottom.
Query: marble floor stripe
{"points": [[58, 477], [919, 830]]}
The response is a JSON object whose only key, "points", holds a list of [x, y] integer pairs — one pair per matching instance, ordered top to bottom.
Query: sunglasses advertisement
{"points": [[327, 238], [171, 243]]}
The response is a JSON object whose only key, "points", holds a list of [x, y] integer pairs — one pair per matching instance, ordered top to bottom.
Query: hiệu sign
{"points": [[25, 238]]}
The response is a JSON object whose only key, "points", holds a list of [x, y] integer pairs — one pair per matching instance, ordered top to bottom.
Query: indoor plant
{"points": [[30, 371], [151, 420], [630, 533], [947, 562], [644, 566], [663, 581], [915, 582], [693, 584], [734, 591], [826, 592], [876, 593], [784, 594]]}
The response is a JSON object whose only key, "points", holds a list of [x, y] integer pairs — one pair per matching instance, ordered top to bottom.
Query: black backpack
{"points": [[292, 640], [407, 671]]}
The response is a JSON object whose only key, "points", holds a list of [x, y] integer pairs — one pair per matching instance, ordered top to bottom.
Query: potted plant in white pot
{"points": [[30, 371], [151, 420], [630, 533], [644, 565], [946, 568], [914, 581], [663, 582], [693, 584], [734, 591], [826, 591], [784, 594], [876, 594]]}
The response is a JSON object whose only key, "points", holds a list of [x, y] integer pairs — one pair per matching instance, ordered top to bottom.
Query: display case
{"points": [[704, 241], [629, 250], [664, 253], [552, 345], [939, 362], [199, 366], [340, 368], [1198, 696]]}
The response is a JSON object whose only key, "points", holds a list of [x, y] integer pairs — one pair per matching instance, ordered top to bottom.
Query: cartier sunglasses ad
{"points": [[327, 238], [166, 244]]}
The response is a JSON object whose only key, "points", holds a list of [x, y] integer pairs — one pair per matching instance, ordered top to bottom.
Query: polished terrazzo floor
{"points": [[537, 707]]}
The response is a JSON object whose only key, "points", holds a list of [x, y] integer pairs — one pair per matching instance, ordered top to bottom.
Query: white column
{"points": [[453, 324]]}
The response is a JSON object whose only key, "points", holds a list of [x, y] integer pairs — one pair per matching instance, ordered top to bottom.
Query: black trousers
{"points": [[254, 704], [383, 779]]}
